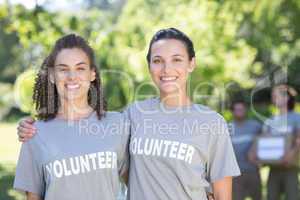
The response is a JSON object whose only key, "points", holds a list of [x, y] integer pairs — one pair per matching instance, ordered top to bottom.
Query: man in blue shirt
{"points": [[243, 133]]}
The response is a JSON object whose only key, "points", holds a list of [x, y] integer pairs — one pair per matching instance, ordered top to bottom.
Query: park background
{"points": [[242, 49]]}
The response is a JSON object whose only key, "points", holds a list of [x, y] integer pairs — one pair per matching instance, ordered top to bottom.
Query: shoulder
{"points": [[143, 105], [138, 109], [209, 114], [113, 115], [295, 115], [113, 119], [116, 119], [213, 120], [254, 122], [42, 123], [44, 126], [44, 131]]}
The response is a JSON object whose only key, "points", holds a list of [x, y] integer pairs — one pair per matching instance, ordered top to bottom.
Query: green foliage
{"points": [[273, 29], [9, 43], [236, 43], [221, 55], [23, 90], [6, 98], [7, 173]]}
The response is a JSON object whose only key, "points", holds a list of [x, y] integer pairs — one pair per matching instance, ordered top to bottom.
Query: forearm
{"points": [[222, 189], [32, 196], [223, 196]]}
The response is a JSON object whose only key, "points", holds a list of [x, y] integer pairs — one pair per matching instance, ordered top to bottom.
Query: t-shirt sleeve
{"points": [[124, 162], [221, 162], [28, 177]]}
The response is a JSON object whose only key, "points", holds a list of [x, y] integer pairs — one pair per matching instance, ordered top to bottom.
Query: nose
{"points": [[166, 67], [71, 75]]}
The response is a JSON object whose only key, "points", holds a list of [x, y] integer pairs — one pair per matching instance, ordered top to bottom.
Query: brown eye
{"points": [[177, 60], [156, 61], [62, 69]]}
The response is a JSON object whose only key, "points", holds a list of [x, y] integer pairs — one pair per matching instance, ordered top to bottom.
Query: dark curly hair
{"points": [[45, 96]]}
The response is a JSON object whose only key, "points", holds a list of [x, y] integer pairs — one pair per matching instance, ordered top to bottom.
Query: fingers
{"points": [[29, 120], [27, 125], [26, 128], [25, 132], [22, 139], [210, 196]]}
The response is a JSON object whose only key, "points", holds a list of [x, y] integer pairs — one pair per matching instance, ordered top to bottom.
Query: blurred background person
{"points": [[243, 134], [283, 178]]}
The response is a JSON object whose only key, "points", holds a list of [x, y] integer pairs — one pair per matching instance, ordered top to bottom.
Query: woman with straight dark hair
{"points": [[177, 148]]}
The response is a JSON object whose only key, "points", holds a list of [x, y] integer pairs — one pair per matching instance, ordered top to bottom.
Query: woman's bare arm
{"points": [[222, 189], [32, 196]]}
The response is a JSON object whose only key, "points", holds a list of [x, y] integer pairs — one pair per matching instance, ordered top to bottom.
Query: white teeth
{"points": [[169, 78], [72, 86]]}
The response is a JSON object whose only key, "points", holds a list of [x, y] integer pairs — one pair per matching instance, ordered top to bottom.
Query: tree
{"points": [[236, 43]]}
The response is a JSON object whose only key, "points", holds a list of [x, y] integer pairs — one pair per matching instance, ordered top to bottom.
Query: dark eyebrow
{"points": [[175, 55], [178, 55], [156, 56], [81, 63], [61, 65], [65, 65]]}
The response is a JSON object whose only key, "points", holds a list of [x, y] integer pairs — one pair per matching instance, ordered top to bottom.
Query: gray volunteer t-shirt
{"points": [[282, 124], [242, 136], [176, 154], [79, 160]]}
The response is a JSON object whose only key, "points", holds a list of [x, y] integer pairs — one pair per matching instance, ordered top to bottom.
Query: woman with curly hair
{"points": [[80, 149]]}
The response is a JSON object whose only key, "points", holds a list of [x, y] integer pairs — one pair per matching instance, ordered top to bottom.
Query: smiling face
{"points": [[170, 66], [72, 74]]}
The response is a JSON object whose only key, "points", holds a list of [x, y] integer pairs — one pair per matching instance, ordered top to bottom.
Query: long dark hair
{"points": [[290, 92], [45, 96]]}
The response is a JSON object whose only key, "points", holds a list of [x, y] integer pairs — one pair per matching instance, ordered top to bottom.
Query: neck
{"points": [[175, 100], [73, 109]]}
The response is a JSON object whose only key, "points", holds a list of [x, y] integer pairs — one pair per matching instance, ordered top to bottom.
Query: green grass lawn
{"points": [[9, 144], [9, 150]]}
